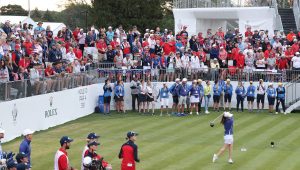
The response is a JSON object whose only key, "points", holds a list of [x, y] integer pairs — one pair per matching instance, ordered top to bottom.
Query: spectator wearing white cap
{"points": [[2, 131], [25, 146]]}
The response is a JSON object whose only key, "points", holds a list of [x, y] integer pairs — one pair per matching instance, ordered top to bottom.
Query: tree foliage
{"points": [[13, 10], [36, 15]]}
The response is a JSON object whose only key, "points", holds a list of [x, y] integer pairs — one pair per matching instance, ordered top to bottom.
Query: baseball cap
{"points": [[297, 53], [177, 79], [184, 79], [199, 80], [228, 80], [270, 84], [227, 114], [2, 130], [27, 132], [131, 133], [93, 136], [65, 139], [93, 143], [20, 156], [11, 164]]}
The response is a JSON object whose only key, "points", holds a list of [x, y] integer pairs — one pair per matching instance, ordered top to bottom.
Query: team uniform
{"points": [[217, 90], [174, 92], [183, 92], [119, 93], [195, 93], [228, 93], [250, 93], [107, 94], [271, 94], [240, 95], [164, 96], [280, 98], [129, 155], [95, 156], [61, 160]]}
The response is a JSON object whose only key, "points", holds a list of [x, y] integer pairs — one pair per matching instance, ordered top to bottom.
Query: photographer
{"points": [[97, 160]]}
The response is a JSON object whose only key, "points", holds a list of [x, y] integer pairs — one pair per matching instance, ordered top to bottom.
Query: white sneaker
{"points": [[206, 112], [191, 113], [197, 113], [276, 113], [284, 113], [215, 157], [230, 161]]}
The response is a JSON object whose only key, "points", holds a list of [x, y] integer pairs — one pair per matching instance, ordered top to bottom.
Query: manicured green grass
{"points": [[178, 143]]}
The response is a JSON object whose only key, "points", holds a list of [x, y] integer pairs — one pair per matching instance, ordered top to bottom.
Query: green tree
{"points": [[13, 10], [36, 15], [48, 16]]}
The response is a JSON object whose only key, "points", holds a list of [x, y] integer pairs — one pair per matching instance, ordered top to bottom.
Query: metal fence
{"points": [[25, 88]]}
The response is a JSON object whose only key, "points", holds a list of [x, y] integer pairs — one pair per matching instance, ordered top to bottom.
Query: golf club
{"points": [[212, 123]]}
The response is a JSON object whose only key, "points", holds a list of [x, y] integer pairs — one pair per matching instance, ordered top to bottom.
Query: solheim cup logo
{"points": [[51, 101], [15, 113]]}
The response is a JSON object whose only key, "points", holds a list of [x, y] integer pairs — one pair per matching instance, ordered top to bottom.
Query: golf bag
{"points": [[7, 157], [94, 165]]}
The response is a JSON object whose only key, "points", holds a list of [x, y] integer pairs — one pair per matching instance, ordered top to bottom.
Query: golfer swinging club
{"points": [[227, 121]]}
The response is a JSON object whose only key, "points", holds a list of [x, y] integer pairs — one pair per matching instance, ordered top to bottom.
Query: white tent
{"points": [[17, 19], [54, 26]]}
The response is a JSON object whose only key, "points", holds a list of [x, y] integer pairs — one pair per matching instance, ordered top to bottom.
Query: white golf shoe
{"points": [[206, 112], [191, 113], [197, 113], [276, 113], [215, 157], [230, 161]]}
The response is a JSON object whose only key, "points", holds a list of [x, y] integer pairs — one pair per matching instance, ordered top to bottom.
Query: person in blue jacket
{"points": [[217, 90], [174, 91], [194, 91], [183, 92], [227, 94], [271, 94], [240, 95], [107, 96], [119, 96], [250, 96], [164, 98], [280, 98], [227, 121], [25, 145]]}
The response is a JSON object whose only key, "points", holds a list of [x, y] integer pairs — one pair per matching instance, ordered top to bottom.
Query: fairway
{"points": [[177, 143]]}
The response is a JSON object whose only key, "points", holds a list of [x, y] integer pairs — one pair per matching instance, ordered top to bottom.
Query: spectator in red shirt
{"points": [[75, 33], [220, 33], [248, 33], [114, 43], [28, 45], [125, 46], [295, 46], [102, 49], [78, 52], [269, 52], [289, 53], [240, 60], [24, 62], [282, 63], [61, 161]]}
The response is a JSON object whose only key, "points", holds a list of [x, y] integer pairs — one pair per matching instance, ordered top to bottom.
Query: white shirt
{"points": [[81, 38], [152, 43], [70, 56], [185, 61], [178, 62], [195, 62], [296, 62], [127, 63], [261, 63], [149, 89], [261, 89], [57, 156]]}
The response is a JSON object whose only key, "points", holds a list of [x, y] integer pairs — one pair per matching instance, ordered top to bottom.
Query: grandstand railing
{"points": [[221, 3], [25, 88]]}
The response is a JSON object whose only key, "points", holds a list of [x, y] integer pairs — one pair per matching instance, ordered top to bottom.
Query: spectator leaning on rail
{"points": [[25, 146]]}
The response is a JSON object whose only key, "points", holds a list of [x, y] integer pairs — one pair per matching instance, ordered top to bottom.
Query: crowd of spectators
{"points": [[36, 54]]}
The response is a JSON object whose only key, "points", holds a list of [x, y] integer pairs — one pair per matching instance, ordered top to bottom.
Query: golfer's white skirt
{"points": [[194, 99], [164, 102], [228, 139]]}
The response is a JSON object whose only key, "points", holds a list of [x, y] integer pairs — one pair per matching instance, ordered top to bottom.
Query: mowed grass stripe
{"points": [[204, 128], [260, 140], [289, 145]]}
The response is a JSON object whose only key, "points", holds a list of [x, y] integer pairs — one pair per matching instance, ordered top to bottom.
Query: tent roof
{"points": [[13, 19]]}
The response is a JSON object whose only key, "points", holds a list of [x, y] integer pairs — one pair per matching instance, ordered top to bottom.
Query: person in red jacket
{"points": [[240, 60], [91, 152], [129, 152], [61, 161]]}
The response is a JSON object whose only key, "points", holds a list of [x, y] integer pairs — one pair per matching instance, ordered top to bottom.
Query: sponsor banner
{"points": [[49, 110]]}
